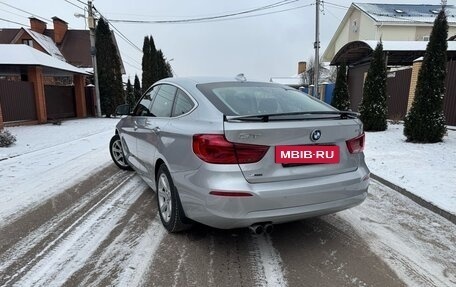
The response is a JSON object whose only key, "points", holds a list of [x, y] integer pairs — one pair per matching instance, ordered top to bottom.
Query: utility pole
{"points": [[317, 48], [93, 52]]}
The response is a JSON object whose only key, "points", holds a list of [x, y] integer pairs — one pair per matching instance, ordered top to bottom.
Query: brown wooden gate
{"points": [[355, 81], [398, 88], [18, 101], [449, 101], [60, 102]]}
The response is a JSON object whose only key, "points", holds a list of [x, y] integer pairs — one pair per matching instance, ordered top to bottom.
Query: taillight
{"points": [[356, 145], [216, 149]]}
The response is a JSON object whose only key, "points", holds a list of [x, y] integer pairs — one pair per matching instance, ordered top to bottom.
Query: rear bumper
{"points": [[275, 202]]}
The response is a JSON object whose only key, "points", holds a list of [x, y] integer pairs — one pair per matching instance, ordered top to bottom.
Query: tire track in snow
{"points": [[31, 178], [50, 216], [98, 220], [422, 253], [268, 263]]}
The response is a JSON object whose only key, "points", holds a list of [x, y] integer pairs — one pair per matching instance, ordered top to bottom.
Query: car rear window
{"points": [[240, 98]]}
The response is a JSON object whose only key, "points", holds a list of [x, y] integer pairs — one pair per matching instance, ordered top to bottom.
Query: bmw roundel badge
{"points": [[315, 135]]}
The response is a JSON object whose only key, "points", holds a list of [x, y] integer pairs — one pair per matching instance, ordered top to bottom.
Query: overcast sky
{"points": [[260, 47]]}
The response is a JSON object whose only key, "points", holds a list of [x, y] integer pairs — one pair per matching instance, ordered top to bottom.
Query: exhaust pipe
{"points": [[268, 228], [256, 229]]}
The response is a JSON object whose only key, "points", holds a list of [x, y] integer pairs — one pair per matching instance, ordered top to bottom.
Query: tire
{"points": [[117, 155], [169, 207]]}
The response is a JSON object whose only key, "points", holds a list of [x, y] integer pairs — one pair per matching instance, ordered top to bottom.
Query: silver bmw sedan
{"points": [[229, 153]]}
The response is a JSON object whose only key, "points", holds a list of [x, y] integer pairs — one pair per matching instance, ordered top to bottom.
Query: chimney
{"points": [[37, 25], [60, 28], [302, 67]]}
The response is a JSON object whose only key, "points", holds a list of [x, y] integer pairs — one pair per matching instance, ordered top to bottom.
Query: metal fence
{"points": [[398, 88], [18, 101], [60, 102], [449, 102]]}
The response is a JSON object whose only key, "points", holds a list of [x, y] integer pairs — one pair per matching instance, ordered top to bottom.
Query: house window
{"points": [[28, 42]]}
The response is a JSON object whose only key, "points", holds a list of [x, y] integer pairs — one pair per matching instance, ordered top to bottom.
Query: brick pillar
{"points": [[35, 75], [414, 79], [79, 93], [1, 118]]}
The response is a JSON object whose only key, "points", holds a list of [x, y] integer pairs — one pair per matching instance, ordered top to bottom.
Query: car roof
{"points": [[193, 81]]}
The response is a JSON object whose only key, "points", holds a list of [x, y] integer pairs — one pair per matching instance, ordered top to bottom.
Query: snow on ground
{"points": [[37, 137], [47, 159], [427, 170], [416, 243]]}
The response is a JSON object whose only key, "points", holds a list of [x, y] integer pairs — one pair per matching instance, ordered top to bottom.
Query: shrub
{"points": [[373, 109], [425, 122], [6, 138]]}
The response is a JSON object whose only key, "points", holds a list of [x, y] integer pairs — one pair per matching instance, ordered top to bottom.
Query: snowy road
{"points": [[104, 230]]}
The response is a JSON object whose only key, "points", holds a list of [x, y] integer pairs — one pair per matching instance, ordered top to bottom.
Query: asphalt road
{"points": [[105, 231]]}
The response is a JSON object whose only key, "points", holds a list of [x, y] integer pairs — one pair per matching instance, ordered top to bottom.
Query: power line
{"points": [[82, 2], [337, 5], [77, 6], [24, 11], [15, 14], [257, 15], [201, 19], [9, 21], [122, 36], [131, 65]]}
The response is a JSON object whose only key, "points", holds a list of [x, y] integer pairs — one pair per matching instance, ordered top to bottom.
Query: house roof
{"points": [[405, 13], [386, 14], [7, 35], [44, 41], [75, 46], [399, 52], [23, 55]]}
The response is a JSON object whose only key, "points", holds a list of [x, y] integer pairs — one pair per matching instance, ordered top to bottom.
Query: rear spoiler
{"points": [[318, 115]]}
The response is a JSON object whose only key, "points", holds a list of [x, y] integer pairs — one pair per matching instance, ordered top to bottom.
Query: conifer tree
{"points": [[153, 62], [163, 66], [146, 67], [109, 73], [137, 89], [130, 96], [341, 97], [373, 109], [425, 122]]}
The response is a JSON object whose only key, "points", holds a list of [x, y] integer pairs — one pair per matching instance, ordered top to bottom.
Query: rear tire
{"points": [[117, 155], [168, 203]]}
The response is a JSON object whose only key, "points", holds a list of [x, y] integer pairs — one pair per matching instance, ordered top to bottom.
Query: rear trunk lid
{"points": [[294, 132]]}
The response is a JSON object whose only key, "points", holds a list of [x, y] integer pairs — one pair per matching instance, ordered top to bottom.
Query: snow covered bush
{"points": [[373, 109], [425, 122], [6, 138]]}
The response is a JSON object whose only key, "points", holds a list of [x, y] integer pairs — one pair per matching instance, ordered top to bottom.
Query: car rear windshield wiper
{"points": [[266, 117]]}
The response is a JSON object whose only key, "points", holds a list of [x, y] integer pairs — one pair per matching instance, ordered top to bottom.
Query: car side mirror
{"points": [[123, 110]]}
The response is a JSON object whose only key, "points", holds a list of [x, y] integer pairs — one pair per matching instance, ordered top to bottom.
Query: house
{"points": [[388, 22], [69, 45], [404, 60], [50, 75], [303, 80]]}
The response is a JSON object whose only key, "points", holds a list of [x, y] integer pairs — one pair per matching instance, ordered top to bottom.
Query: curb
{"points": [[445, 214]]}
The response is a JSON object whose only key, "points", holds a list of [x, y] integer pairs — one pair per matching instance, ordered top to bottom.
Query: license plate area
{"points": [[307, 154]]}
